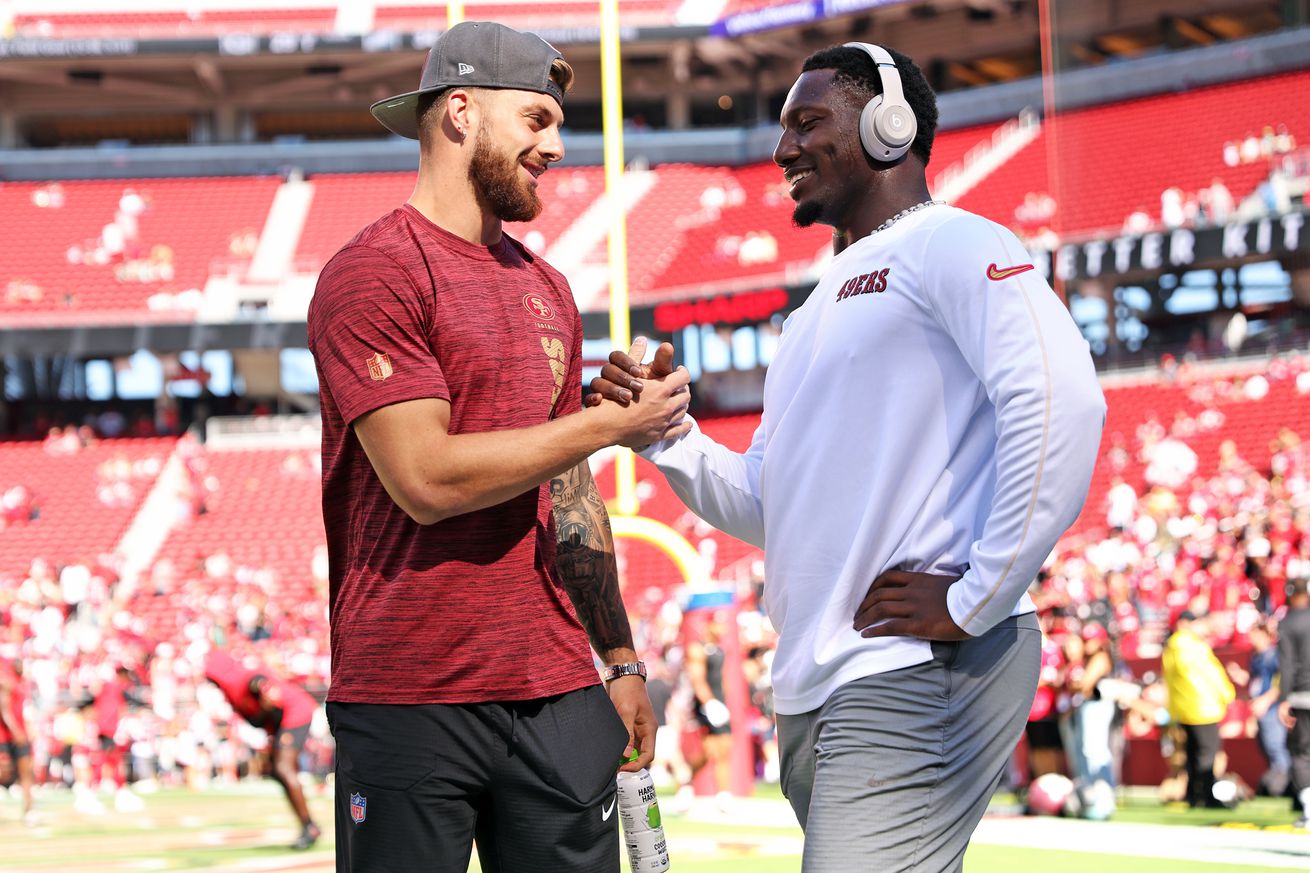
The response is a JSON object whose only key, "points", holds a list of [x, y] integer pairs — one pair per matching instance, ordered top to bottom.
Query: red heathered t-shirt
{"points": [[468, 609], [233, 678], [13, 702], [109, 706]]}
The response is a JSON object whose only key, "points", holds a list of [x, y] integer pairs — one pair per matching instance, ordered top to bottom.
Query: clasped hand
{"points": [[625, 377]]}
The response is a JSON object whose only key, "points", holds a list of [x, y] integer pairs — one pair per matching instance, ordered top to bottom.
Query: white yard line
{"points": [[1214, 845]]}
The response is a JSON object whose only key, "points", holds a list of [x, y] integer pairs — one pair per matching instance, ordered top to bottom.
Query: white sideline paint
{"points": [[987, 157], [281, 234], [1214, 845]]}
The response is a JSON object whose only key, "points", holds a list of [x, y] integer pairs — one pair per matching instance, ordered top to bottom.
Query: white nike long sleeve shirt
{"points": [[931, 407]]}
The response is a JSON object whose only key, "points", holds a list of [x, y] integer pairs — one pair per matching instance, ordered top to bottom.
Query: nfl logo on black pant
{"points": [[358, 807]]}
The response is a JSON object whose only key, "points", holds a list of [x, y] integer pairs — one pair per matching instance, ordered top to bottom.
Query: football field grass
{"points": [[246, 829]]}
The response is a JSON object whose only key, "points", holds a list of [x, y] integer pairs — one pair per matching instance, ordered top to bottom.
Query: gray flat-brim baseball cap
{"points": [[475, 54]]}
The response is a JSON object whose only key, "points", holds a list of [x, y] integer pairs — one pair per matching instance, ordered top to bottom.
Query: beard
{"points": [[496, 176], [828, 207], [807, 213]]}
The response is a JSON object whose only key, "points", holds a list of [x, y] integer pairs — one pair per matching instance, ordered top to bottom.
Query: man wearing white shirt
{"points": [[930, 424]]}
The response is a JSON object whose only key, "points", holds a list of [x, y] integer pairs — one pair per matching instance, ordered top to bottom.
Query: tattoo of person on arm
{"points": [[585, 560]]}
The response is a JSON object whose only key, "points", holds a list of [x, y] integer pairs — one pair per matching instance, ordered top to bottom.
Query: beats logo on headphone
{"points": [[887, 124]]}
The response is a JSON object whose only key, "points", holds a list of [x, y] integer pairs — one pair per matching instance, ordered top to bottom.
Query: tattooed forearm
{"points": [[585, 560]]}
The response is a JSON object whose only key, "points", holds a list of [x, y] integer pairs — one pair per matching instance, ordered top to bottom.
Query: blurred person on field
{"points": [[470, 557], [705, 660], [758, 667], [1263, 690], [1294, 692], [1199, 694], [110, 700], [284, 710], [1094, 714], [15, 740], [1045, 747], [669, 765]]}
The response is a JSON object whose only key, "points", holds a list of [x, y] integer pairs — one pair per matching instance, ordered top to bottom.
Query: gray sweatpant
{"points": [[893, 772]]}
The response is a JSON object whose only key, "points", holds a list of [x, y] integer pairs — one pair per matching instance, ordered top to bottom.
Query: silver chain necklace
{"points": [[904, 212]]}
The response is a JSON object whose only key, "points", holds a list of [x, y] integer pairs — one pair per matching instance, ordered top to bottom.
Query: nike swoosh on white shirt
{"points": [[605, 813]]}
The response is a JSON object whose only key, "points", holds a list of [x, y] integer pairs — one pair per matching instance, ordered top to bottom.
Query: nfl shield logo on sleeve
{"points": [[379, 366], [358, 807]]}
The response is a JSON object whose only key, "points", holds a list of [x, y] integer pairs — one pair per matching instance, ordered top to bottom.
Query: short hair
{"points": [[857, 74], [429, 106]]}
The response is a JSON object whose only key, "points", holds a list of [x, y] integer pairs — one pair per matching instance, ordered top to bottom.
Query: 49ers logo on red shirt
{"points": [[865, 283], [538, 307]]}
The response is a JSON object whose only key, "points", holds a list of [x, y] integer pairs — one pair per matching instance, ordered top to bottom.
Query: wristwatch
{"points": [[614, 671]]}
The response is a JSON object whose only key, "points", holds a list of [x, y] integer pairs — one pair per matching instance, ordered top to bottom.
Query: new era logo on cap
{"points": [[465, 69]]}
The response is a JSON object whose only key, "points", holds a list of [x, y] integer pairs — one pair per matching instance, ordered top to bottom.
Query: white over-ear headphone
{"points": [[887, 124]]}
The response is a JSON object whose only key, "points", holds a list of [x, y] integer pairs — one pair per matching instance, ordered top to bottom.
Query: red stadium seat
{"points": [[179, 23], [1144, 145], [53, 231], [74, 523]]}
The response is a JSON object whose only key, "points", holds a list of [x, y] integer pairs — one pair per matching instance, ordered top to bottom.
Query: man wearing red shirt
{"points": [[470, 557], [110, 700], [281, 708], [15, 743]]}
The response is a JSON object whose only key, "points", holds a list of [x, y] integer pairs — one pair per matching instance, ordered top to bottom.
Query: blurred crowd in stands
{"points": [[1271, 143]]}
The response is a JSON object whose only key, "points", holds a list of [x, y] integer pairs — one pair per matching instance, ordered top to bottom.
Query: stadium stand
{"points": [[734, 7], [565, 13], [175, 24], [1145, 145], [951, 146], [677, 202], [344, 203], [697, 227], [741, 228], [748, 235], [109, 250], [1246, 407], [84, 493], [255, 541]]}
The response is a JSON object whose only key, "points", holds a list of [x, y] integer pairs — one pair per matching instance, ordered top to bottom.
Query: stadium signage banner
{"points": [[791, 14], [768, 18], [72, 48], [1179, 249], [724, 309]]}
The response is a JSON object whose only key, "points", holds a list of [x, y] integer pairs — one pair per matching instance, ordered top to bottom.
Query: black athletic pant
{"points": [[1298, 745], [1202, 747], [531, 781]]}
